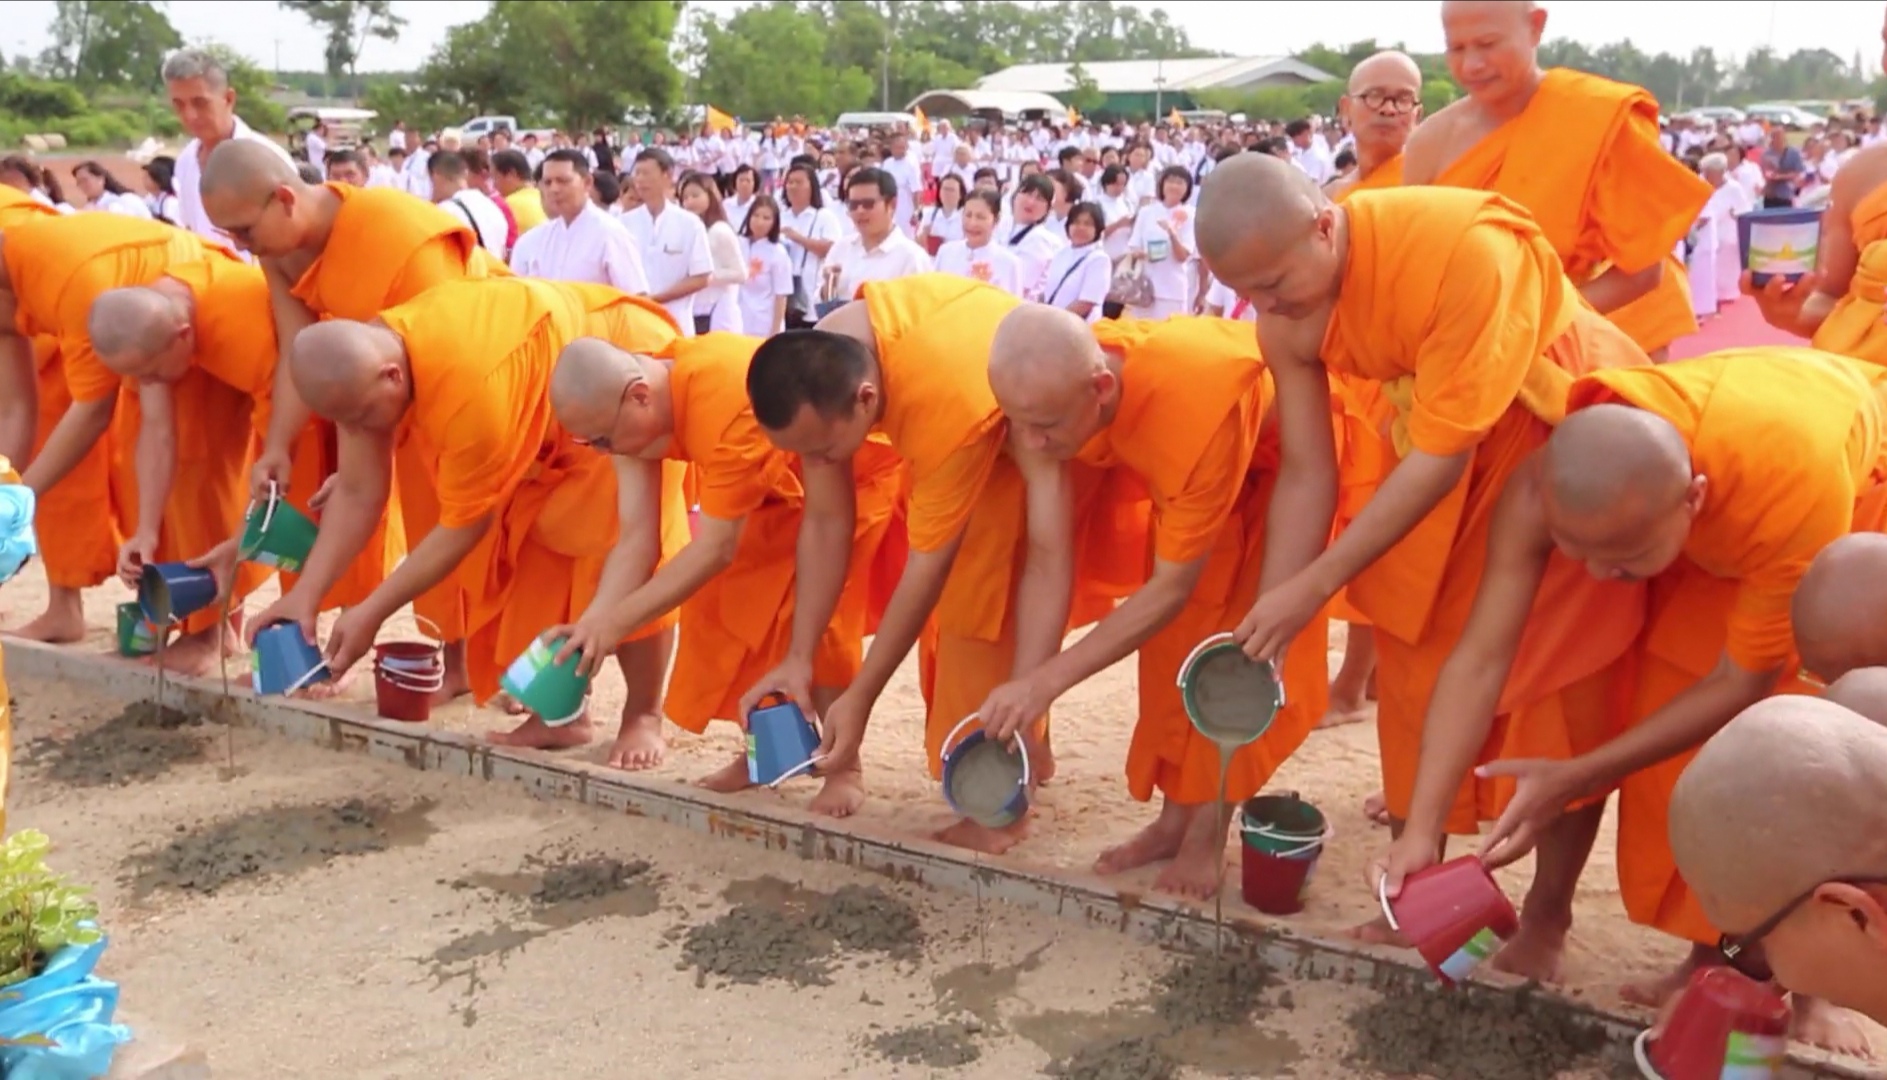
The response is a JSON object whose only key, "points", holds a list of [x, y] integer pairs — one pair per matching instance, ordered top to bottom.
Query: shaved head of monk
{"points": [[1491, 48], [1383, 101], [256, 197], [1270, 235], [143, 333], [354, 374], [1054, 383], [815, 393], [607, 398], [1618, 491], [1840, 607], [1862, 691], [1779, 826]]}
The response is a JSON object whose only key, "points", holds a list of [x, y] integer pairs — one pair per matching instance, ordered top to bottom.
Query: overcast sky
{"points": [[267, 34]]}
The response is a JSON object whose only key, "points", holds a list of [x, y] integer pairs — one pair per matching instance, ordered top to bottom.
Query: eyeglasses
{"points": [[1399, 103], [856, 205], [242, 233], [1736, 949]]}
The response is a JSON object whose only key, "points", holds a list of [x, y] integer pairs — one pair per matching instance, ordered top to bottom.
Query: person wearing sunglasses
{"points": [[1779, 825]]}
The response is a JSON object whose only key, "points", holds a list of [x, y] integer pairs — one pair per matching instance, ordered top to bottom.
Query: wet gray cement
{"points": [[142, 742], [278, 841]]}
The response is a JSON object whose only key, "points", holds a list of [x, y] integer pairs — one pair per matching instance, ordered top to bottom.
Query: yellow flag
{"points": [[1074, 116], [1175, 119], [719, 122], [923, 122]]}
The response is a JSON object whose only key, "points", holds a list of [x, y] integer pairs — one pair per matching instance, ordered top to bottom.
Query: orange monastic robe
{"points": [[1585, 161], [386, 247], [59, 267], [1456, 304], [1857, 326], [1194, 394], [481, 436], [1794, 443], [735, 628]]}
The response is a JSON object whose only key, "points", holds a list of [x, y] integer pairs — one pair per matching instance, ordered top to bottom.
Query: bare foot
{"points": [[59, 624], [194, 655], [455, 686], [507, 704], [1344, 711], [534, 734], [639, 745], [1042, 758], [728, 778], [841, 795], [1376, 809], [969, 834], [1159, 840], [1197, 868], [1377, 932], [1533, 953], [1653, 993], [1831, 1027]]}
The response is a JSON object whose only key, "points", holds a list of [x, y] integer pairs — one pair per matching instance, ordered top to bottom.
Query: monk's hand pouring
{"points": [[270, 471], [136, 553], [220, 561], [290, 608], [1278, 617], [592, 637], [351, 639], [793, 678], [1012, 707], [842, 730], [1541, 792], [1408, 855]]}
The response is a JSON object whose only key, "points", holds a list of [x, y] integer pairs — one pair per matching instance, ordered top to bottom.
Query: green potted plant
{"points": [[40, 911]]}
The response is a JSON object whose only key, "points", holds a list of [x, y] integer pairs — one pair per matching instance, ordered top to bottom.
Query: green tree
{"points": [[348, 24], [120, 43], [770, 60]]}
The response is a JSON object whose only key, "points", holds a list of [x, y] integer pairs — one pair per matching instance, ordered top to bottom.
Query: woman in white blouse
{"points": [[746, 186], [103, 191], [160, 192], [701, 196], [944, 223], [810, 229], [1029, 235], [1163, 238], [977, 255], [769, 272], [1079, 275]]}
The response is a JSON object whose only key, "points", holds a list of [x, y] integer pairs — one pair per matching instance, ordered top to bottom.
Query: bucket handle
{"points": [[267, 505], [422, 622], [307, 677], [1179, 680], [425, 685], [950, 740], [806, 766], [1309, 846], [1382, 897], [1641, 1053]]}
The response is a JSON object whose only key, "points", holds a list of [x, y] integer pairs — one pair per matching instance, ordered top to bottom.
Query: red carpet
{"points": [[1739, 325]]}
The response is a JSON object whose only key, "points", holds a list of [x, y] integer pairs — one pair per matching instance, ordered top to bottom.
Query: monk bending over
{"points": [[1580, 153], [1456, 304], [1181, 405], [182, 497], [733, 582], [1840, 608], [1780, 825]]}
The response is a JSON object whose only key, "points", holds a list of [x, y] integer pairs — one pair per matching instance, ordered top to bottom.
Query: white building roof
{"points": [[1147, 76], [1007, 102]]}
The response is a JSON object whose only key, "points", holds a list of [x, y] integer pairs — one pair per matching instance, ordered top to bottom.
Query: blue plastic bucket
{"points": [[172, 592], [285, 661], [781, 742], [982, 780]]}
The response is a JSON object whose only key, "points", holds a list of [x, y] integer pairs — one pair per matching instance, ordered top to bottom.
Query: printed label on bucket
{"points": [[1783, 249], [278, 562], [525, 668], [753, 759], [1469, 956], [1754, 1057]]}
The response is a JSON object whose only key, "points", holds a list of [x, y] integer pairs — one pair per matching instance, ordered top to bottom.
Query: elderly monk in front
{"points": [[1580, 153], [335, 251], [1456, 304], [909, 360], [458, 380], [1182, 405], [682, 406], [1717, 480], [182, 487], [77, 517], [1839, 612], [1780, 824]]}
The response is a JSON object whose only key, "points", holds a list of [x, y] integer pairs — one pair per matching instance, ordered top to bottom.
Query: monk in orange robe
{"points": [[1382, 105], [1580, 153], [335, 251], [1455, 303], [909, 360], [458, 379], [1181, 405], [1717, 480], [177, 499], [733, 583], [1839, 612]]}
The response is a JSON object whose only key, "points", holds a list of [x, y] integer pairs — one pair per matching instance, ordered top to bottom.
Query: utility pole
{"points": [[884, 69]]}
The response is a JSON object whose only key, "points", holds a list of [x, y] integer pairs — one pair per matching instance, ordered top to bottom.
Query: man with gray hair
{"points": [[205, 105], [1728, 201]]}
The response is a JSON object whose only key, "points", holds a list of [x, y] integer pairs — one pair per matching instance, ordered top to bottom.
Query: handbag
{"points": [[1131, 287]]}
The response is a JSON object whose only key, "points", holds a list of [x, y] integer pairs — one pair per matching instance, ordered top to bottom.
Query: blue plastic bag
{"points": [[17, 542], [68, 1006]]}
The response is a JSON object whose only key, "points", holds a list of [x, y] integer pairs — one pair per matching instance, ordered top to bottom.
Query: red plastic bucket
{"points": [[405, 676], [1283, 837], [1276, 884], [1454, 914], [1724, 1024]]}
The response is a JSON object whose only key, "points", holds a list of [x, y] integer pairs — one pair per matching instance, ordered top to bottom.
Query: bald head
{"points": [[1517, 10], [1391, 67], [245, 169], [1255, 199], [131, 328], [1041, 348], [339, 366], [588, 383], [1615, 462], [1840, 607], [1863, 692], [1790, 794]]}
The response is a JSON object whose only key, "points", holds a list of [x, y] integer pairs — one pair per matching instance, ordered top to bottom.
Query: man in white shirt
{"points": [[205, 105], [317, 146], [1305, 156], [347, 167], [904, 169], [451, 188], [578, 241], [673, 242], [877, 251]]}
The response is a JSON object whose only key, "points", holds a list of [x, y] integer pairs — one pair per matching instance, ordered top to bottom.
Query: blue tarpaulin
{"points": [[70, 1007]]}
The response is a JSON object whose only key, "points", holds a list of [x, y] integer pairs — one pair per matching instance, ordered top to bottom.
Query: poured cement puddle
{"points": [[140, 743], [275, 842], [781, 932], [1475, 1035], [946, 1044], [1135, 1057]]}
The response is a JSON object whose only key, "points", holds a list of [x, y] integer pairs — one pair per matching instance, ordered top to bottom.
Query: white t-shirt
{"points": [[484, 217], [816, 224], [674, 246], [593, 247], [897, 257], [992, 264], [1164, 269], [1079, 273], [769, 276]]}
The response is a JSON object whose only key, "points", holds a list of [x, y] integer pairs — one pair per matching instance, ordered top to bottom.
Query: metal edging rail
{"points": [[785, 828]]}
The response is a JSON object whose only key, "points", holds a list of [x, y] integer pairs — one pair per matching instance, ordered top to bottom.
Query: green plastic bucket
{"points": [[276, 534], [136, 636], [555, 692], [1230, 698], [1282, 825]]}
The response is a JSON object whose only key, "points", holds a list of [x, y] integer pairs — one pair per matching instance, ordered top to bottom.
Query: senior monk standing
{"points": [[1382, 105], [1580, 153], [334, 251], [1455, 303], [457, 381], [1181, 404], [178, 499], [733, 582], [1839, 612]]}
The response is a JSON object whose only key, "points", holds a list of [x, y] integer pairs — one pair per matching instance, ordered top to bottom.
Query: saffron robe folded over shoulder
{"points": [[1584, 159], [59, 267], [1456, 304], [1857, 326], [1190, 426], [481, 432], [1794, 444], [735, 628]]}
